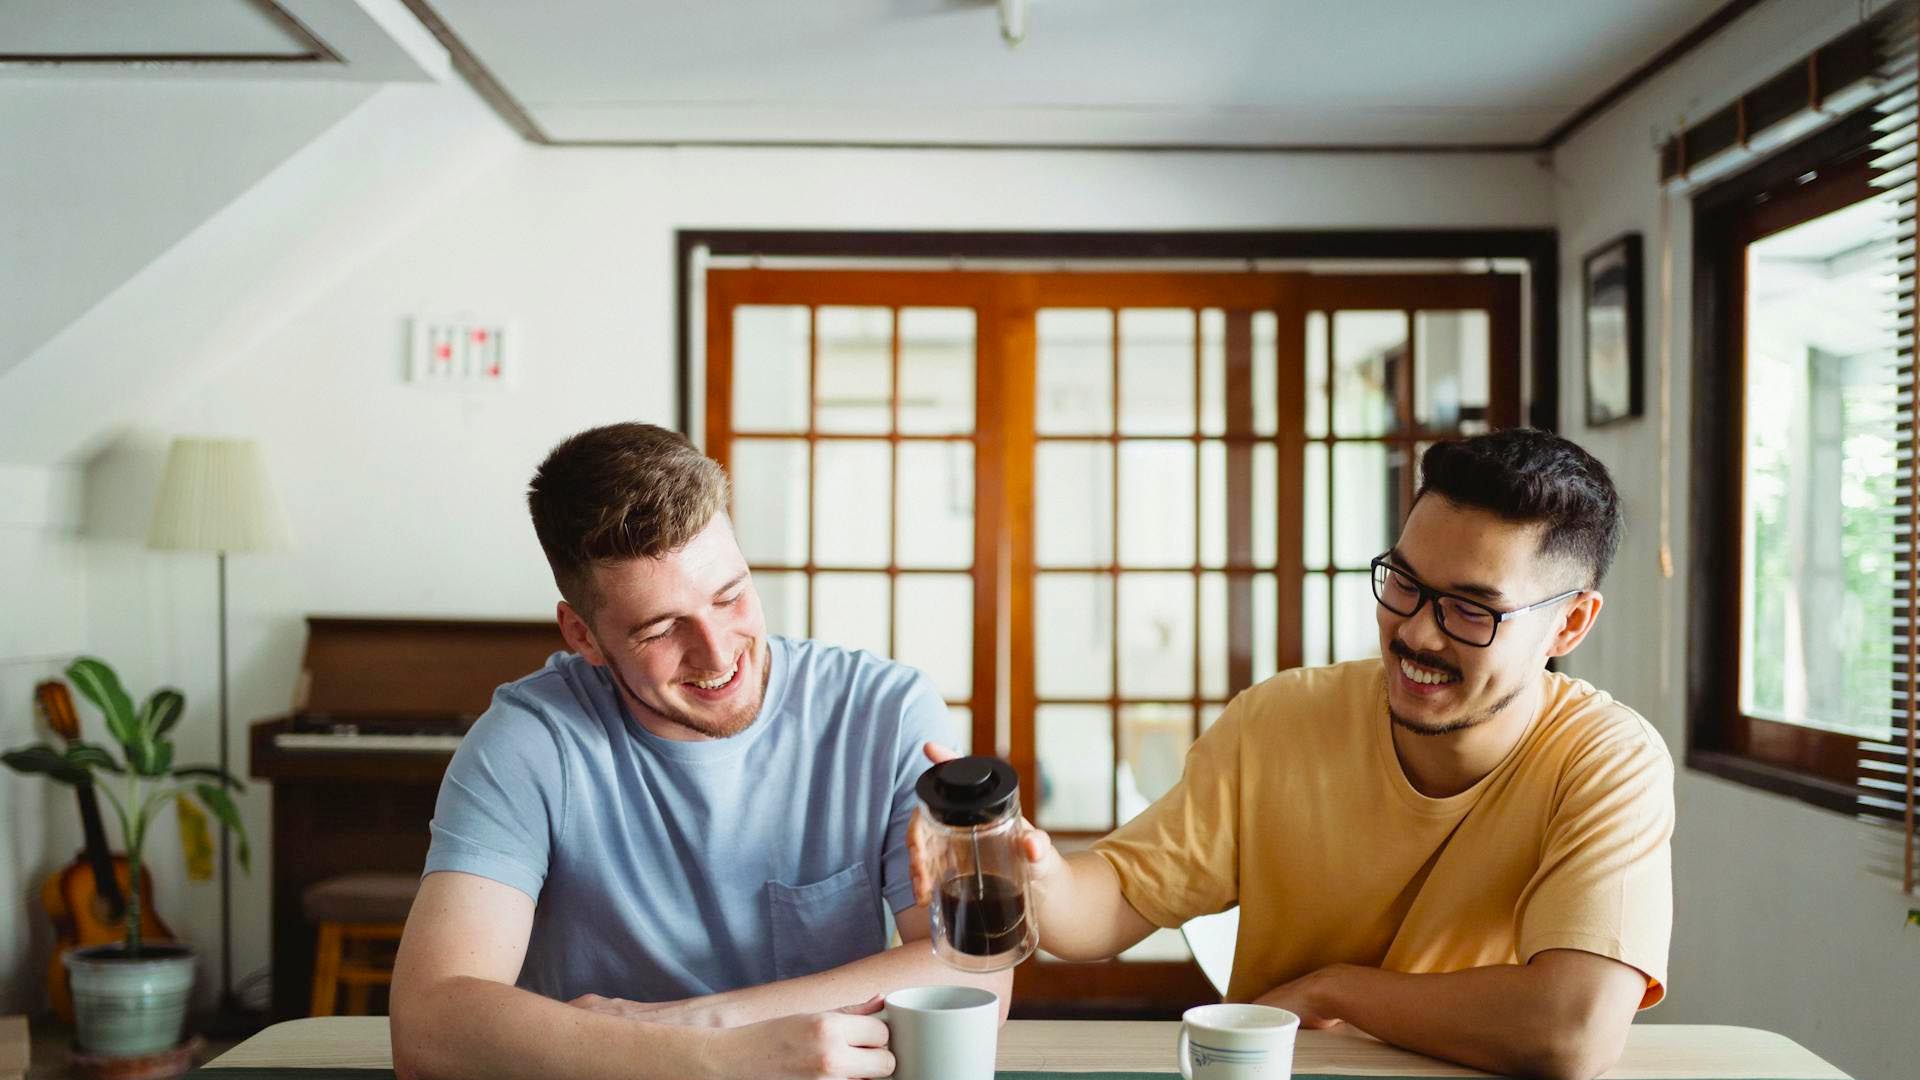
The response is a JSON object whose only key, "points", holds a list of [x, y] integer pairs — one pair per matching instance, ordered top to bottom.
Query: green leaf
{"points": [[101, 686], [162, 711], [89, 756], [140, 757], [159, 758], [44, 760], [211, 773], [217, 801], [1913, 917]]}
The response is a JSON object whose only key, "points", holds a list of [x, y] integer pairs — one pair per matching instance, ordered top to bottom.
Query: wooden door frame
{"points": [[1538, 247]]}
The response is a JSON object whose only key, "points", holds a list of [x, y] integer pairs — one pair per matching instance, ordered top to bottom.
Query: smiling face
{"points": [[683, 635], [1437, 685]]}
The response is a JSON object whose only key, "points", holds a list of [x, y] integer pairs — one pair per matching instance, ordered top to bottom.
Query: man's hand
{"points": [[1038, 846], [1303, 997], [850, 1044]]}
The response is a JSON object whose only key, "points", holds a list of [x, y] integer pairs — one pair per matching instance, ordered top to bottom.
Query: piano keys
{"points": [[378, 710]]}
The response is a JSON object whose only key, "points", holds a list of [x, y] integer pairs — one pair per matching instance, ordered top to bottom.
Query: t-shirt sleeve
{"points": [[923, 719], [502, 799], [1180, 857], [1605, 880]]}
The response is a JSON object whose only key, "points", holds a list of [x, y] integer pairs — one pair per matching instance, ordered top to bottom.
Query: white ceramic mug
{"points": [[942, 1032], [1237, 1042]]}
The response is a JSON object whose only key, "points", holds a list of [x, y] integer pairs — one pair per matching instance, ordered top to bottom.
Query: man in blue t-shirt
{"points": [[671, 852]]}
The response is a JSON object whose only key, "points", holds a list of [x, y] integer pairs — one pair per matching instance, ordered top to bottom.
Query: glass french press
{"points": [[982, 920]]}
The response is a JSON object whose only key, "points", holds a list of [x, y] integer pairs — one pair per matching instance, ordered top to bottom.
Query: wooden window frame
{"points": [[1816, 767]]}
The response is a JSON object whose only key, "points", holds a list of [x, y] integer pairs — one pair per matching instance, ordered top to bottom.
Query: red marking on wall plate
{"points": [[480, 336], [444, 352]]}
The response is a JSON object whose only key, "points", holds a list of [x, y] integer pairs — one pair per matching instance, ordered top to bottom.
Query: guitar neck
{"points": [[99, 856]]}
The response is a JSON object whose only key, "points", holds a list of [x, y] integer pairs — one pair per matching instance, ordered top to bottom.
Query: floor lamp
{"points": [[215, 497]]}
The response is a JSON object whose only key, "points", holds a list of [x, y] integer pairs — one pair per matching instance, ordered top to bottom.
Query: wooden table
{"points": [[1654, 1051]]}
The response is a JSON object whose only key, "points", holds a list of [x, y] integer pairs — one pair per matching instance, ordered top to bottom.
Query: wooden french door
{"points": [[1094, 506]]}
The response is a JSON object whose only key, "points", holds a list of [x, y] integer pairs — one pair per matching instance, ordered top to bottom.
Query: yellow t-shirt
{"points": [[1294, 806]]}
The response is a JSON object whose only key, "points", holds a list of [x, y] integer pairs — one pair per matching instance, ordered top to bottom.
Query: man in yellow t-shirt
{"points": [[1453, 850]]}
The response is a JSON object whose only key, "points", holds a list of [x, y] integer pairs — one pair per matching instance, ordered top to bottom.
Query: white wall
{"points": [[100, 176], [405, 500], [42, 624], [1776, 924]]}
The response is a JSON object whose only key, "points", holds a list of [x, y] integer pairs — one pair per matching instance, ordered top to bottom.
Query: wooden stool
{"points": [[351, 911]]}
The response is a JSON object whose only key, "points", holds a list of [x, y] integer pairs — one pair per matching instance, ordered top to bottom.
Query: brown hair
{"points": [[624, 491]]}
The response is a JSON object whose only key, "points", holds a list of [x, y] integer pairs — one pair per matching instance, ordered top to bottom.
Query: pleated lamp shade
{"points": [[215, 497]]}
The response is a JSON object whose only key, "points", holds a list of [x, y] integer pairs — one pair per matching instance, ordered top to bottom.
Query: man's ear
{"points": [[1576, 622], [579, 637]]}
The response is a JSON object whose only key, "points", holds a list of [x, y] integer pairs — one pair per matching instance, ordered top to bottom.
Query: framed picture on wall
{"points": [[1612, 320]]}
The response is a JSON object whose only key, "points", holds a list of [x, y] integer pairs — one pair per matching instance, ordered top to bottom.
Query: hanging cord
{"points": [[1666, 434]]}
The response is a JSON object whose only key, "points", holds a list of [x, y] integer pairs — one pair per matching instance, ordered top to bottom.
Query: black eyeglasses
{"points": [[1468, 622]]}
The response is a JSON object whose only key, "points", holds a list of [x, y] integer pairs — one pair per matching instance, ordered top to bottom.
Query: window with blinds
{"points": [[1803, 462]]}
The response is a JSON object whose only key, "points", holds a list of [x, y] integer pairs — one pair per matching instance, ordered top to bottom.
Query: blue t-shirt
{"points": [[663, 870]]}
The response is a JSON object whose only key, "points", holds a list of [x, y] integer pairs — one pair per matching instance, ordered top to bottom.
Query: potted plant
{"points": [[131, 997]]}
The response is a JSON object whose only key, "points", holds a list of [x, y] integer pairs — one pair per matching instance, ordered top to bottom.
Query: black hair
{"points": [[1528, 475]]}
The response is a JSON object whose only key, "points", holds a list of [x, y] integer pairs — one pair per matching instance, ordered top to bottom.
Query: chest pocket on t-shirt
{"points": [[823, 925]]}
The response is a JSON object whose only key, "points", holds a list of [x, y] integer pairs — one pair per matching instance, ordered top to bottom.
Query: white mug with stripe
{"points": [[1237, 1042]]}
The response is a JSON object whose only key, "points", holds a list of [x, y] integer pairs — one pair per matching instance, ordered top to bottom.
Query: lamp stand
{"points": [[232, 1018]]}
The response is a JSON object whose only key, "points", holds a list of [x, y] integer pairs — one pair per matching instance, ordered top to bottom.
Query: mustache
{"points": [[1399, 648]]}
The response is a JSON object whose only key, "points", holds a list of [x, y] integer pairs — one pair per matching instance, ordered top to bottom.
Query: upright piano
{"points": [[379, 708]]}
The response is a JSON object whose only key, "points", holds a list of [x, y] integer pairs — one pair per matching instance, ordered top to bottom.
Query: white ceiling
{"points": [[365, 41], [1112, 72]]}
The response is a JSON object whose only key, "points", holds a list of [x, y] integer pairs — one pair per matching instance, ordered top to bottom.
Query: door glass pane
{"points": [[1367, 347], [1075, 354], [1450, 368], [856, 370], [936, 371], [1156, 371], [1213, 372], [1265, 374], [1316, 374], [770, 389], [1314, 494], [1363, 497], [770, 500], [853, 503], [936, 504], [1073, 504], [1156, 504], [1213, 504], [1266, 524], [1820, 584], [783, 601], [851, 610], [1316, 621], [1266, 622], [934, 629], [1356, 632], [1215, 634], [1072, 635], [1156, 635], [960, 727], [1074, 745], [1153, 748]]}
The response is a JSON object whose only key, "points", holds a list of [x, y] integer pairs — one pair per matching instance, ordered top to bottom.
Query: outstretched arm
{"points": [[910, 964], [457, 1014], [1564, 1016]]}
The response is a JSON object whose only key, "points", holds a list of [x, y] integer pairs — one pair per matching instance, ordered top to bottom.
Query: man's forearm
{"points": [[1082, 912], [911, 964], [1507, 1019], [460, 1028]]}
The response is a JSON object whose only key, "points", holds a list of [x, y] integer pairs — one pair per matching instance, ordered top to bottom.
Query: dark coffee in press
{"points": [[984, 914]]}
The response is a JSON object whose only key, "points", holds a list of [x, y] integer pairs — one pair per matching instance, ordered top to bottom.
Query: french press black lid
{"points": [[970, 790]]}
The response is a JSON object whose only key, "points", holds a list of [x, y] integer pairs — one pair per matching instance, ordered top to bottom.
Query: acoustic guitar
{"points": [[87, 898]]}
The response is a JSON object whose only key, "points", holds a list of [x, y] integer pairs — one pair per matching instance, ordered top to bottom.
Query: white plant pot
{"points": [[126, 1007]]}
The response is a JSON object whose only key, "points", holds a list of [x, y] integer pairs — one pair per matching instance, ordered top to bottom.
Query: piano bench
{"points": [[354, 914]]}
